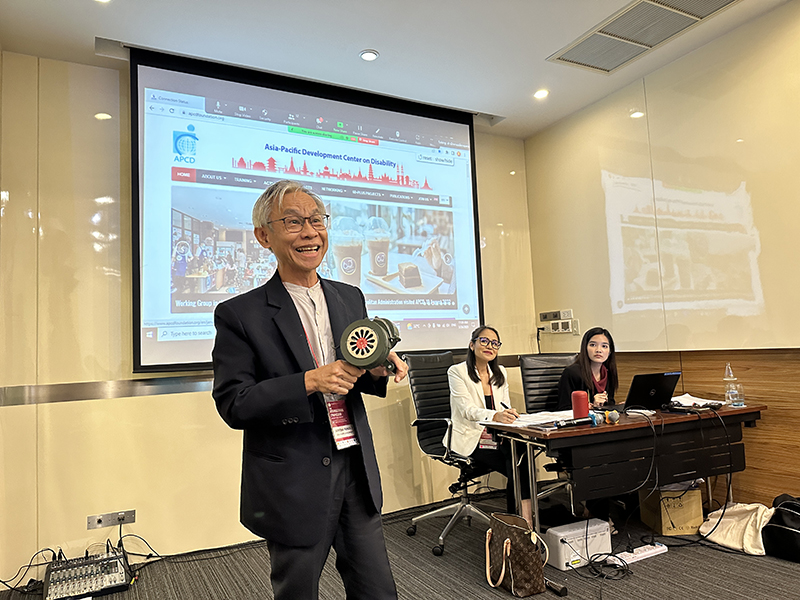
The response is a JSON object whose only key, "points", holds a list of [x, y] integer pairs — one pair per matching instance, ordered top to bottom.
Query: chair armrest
{"points": [[433, 420], [448, 453]]}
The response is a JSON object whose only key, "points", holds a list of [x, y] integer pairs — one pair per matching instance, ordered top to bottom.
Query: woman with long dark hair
{"points": [[594, 371], [479, 392]]}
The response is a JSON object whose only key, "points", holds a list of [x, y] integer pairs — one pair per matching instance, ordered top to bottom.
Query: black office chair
{"points": [[427, 374], [540, 375]]}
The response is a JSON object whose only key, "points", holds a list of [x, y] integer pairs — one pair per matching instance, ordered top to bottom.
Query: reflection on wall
{"points": [[699, 251]]}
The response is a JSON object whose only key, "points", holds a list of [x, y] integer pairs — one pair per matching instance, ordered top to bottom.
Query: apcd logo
{"points": [[184, 145]]}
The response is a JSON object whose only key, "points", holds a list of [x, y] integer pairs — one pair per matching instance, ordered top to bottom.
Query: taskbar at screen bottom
{"points": [[434, 334], [172, 346]]}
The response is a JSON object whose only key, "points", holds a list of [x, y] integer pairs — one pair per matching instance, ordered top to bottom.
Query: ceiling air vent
{"points": [[634, 31]]}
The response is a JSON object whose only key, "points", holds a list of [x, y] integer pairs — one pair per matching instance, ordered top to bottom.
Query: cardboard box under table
{"points": [[672, 513]]}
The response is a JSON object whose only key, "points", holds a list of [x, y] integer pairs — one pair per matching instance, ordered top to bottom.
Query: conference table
{"points": [[638, 452]]}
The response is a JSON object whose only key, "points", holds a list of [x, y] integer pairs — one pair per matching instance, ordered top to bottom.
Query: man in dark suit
{"points": [[310, 479]]}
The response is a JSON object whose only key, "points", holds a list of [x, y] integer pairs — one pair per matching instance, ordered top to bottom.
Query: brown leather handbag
{"points": [[513, 556]]}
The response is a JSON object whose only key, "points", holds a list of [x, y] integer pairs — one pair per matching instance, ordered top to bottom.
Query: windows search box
{"points": [[179, 334]]}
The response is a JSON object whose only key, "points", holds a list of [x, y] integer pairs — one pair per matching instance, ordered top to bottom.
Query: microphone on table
{"points": [[612, 417], [592, 420]]}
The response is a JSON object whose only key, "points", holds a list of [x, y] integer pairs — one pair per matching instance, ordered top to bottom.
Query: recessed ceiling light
{"points": [[103, 1], [369, 55], [541, 94], [637, 114], [102, 116], [739, 141], [513, 173]]}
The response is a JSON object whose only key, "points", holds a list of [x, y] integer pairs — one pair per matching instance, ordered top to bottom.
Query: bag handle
{"points": [[534, 537], [506, 554]]}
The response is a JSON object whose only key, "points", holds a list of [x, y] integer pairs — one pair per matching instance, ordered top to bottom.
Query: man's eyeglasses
{"points": [[296, 224], [486, 342]]}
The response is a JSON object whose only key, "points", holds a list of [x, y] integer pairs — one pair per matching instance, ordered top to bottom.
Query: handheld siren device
{"points": [[366, 343]]}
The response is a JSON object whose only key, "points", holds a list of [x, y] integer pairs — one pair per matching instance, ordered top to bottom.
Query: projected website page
{"points": [[398, 189]]}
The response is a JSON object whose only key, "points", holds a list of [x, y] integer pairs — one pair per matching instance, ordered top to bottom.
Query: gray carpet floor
{"points": [[694, 571]]}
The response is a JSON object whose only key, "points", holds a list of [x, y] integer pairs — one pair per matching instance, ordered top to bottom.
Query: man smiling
{"points": [[310, 479]]}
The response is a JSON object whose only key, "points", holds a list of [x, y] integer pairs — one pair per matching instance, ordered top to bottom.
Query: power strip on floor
{"points": [[638, 554]]}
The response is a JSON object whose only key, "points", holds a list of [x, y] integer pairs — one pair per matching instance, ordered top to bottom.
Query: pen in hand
{"points": [[505, 406]]}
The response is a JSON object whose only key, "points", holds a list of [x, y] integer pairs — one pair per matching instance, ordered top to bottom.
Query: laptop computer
{"points": [[649, 391]]}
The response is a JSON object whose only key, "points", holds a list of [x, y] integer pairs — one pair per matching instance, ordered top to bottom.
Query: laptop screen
{"points": [[651, 391]]}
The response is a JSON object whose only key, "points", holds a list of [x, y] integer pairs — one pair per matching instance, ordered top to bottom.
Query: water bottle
{"points": [[731, 392]]}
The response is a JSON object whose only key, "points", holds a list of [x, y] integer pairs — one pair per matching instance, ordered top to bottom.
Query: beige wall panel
{"points": [[729, 209], [18, 220], [505, 242], [593, 242], [80, 270], [772, 446], [169, 457], [405, 474], [18, 507]]}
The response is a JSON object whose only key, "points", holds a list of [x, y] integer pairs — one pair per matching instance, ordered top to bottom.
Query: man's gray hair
{"points": [[272, 199]]}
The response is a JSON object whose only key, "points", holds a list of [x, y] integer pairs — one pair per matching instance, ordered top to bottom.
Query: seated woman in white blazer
{"points": [[479, 392]]}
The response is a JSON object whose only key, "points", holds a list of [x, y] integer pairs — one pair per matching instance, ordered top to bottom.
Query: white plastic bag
{"points": [[740, 528]]}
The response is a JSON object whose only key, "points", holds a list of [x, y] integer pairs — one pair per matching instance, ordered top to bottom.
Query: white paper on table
{"points": [[689, 400], [537, 418]]}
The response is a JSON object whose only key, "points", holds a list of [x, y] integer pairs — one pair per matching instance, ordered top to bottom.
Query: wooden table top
{"points": [[636, 421]]}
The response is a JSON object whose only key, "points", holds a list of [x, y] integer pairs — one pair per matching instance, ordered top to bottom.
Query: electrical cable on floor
{"points": [[651, 472], [730, 475], [188, 557], [597, 565], [28, 567]]}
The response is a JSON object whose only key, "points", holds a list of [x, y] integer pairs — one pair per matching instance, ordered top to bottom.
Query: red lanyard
{"points": [[310, 347]]}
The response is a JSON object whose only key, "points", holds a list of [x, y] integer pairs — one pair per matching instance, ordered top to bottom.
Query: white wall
{"points": [[677, 230]]}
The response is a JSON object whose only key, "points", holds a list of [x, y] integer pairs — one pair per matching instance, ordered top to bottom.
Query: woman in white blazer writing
{"points": [[479, 392]]}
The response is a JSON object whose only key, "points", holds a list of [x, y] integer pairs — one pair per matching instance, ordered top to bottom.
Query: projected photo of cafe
{"points": [[214, 254], [399, 255]]}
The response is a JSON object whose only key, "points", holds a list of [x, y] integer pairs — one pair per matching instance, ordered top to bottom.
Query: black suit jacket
{"points": [[260, 356]]}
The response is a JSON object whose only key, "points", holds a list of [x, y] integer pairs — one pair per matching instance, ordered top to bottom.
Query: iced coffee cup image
{"points": [[377, 238], [347, 243]]}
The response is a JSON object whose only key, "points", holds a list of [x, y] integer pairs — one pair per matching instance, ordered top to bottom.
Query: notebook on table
{"points": [[648, 391]]}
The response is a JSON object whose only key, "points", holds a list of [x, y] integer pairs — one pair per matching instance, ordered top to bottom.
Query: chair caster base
{"points": [[412, 530], [438, 550]]}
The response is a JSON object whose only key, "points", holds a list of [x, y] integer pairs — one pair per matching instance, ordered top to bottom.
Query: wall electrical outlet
{"points": [[565, 314], [552, 315], [560, 326], [576, 327], [120, 517]]}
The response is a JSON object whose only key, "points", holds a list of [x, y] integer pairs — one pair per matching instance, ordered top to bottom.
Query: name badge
{"points": [[344, 434], [487, 442]]}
